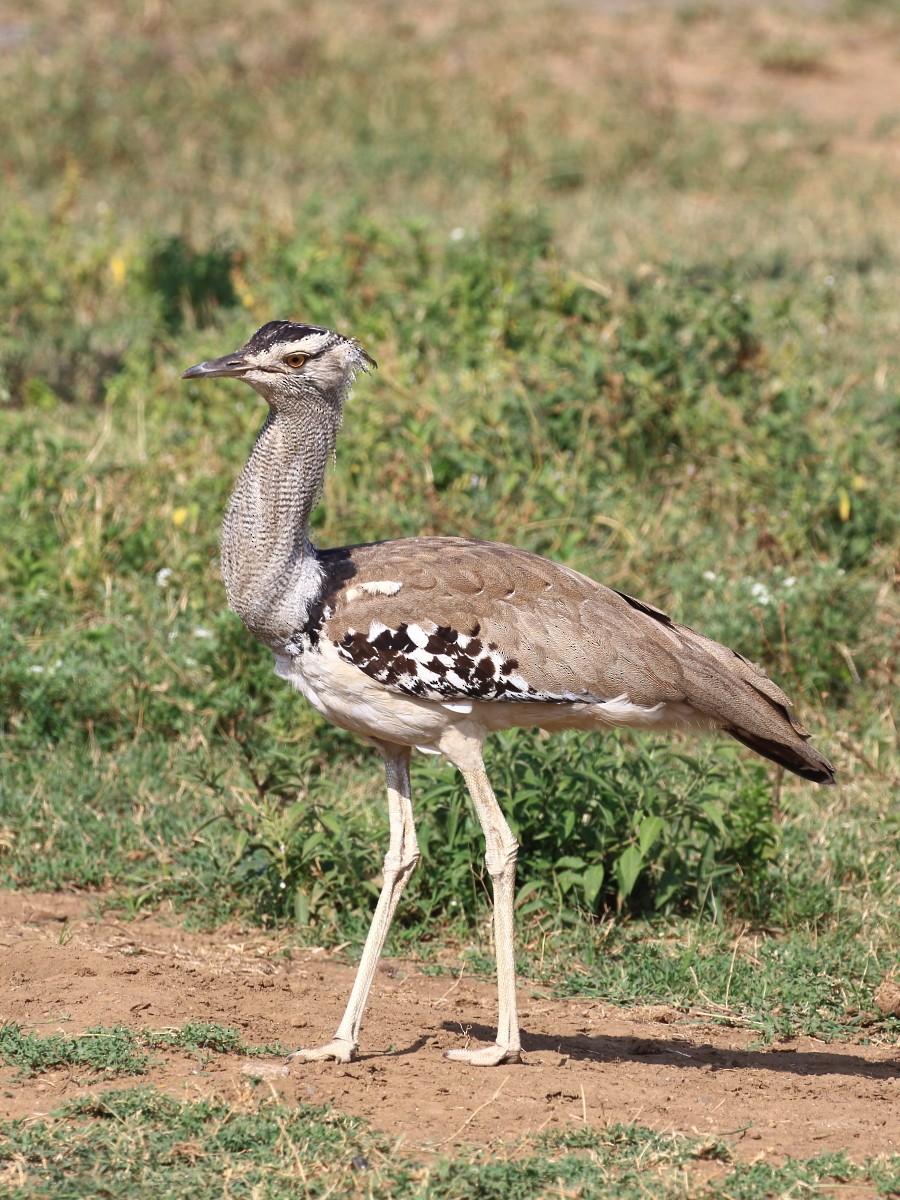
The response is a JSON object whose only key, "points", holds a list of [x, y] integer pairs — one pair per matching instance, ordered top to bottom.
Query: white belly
{"points": [[347, 697]]}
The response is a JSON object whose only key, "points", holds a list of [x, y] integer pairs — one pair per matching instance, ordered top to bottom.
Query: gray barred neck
{"points": [[270, 567]]}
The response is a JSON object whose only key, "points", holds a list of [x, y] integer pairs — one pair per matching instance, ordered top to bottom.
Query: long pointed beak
{"points": [[231, 365]]}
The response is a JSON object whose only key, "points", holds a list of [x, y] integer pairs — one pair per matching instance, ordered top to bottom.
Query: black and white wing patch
{"points": [[436, 662]]}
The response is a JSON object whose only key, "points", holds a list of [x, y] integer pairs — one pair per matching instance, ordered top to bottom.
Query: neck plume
{"points": [[269, 565]]}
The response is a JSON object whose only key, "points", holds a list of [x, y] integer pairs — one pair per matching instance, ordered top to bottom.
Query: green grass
{"points": [[127, 691], [782, 986], [118, 1050], [111, 1052], [141, 1142]]}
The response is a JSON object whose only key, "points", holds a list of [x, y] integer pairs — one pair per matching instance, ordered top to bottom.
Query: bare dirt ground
{"points": [[63, 970]]}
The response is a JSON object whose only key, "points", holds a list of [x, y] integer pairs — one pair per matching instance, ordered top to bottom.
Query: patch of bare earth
{"points": [[62, 970]]}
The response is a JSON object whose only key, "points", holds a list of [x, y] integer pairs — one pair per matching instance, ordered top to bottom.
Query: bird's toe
{"points": [[337, 1050], [486, 1056]]}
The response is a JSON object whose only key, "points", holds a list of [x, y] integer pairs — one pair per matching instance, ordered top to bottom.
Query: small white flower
{"points": [[457, 234], [163, 575], [711, 576], [789, 582], [760, 592], [200, 631], [38, 669], [282, 885]]}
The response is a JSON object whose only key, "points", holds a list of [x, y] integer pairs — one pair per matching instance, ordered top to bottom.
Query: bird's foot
{"points": [[337, 1049], [486, 1056]]}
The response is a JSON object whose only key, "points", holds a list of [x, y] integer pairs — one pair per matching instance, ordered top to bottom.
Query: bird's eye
{"points": [[295, 360]]}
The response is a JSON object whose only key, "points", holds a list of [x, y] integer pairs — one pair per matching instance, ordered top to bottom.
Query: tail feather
{"points": [[741, 699], [754, 710], [803, 760]]}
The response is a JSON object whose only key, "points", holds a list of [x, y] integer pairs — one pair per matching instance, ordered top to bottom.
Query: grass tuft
{"points": [[119, 1050], [139, 1141]]}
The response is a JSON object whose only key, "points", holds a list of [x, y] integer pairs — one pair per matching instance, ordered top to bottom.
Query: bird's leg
{"points": [[501, 849], [399, 863]]}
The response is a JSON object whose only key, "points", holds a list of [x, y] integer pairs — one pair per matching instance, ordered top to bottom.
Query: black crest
{"points": [[283, 331]]}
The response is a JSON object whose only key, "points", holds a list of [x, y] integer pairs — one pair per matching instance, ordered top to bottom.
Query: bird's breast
{"points": [[349, 698]]}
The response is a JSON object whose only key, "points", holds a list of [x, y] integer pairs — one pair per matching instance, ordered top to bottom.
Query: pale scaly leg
{"points": [[500, 858], [399, 863]]}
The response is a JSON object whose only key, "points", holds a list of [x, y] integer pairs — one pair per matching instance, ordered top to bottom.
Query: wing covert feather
{"points": [[568, 635]]}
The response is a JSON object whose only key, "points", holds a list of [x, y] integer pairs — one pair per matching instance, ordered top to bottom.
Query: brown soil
{"points": [[64, 970]]}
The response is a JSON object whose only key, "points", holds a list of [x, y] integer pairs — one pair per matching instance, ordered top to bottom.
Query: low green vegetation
{"points": [[127, 691], [780, 987], [117, 1050], [108, 1051], [141, 1142]]}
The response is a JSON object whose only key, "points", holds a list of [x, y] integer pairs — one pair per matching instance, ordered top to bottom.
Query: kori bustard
{"points": [[434, 642]]}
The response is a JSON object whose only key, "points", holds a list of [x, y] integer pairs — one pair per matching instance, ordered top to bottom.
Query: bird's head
{"points": [[291, 365]]}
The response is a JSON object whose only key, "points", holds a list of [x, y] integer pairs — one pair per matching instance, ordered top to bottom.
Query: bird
{"points": [[432, 643]]}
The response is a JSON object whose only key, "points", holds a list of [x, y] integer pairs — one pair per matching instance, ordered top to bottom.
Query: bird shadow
{"points": [[395, 1051], [677, 1052]]}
